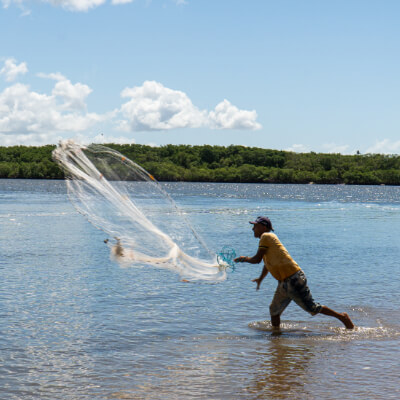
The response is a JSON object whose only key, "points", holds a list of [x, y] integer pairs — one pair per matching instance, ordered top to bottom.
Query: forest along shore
{"points": [[221, 164]]}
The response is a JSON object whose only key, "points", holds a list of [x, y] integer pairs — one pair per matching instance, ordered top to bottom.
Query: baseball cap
{"points": [[264, 221]]}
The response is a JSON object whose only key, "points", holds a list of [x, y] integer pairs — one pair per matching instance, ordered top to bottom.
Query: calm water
{"points": [[75, 325]]}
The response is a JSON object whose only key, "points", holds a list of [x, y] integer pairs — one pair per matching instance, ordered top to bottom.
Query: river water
{"points": [[76, 325]]}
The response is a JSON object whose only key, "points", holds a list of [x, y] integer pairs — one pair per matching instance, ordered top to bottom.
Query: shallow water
{"points": [[75, 325]]}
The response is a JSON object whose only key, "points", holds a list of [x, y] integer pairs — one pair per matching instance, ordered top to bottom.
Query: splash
{"points": [[122, 199], [319, 330]]}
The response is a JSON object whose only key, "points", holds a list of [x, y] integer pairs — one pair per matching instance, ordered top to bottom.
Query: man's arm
{"points": [[256, 259], [258, 280]]}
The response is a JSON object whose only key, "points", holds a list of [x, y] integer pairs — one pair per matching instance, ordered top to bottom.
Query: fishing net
{"points": [[143, 222], [226, 257]]}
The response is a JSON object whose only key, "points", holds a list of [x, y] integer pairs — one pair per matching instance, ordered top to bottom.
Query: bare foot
{"points": [[347, 321]]}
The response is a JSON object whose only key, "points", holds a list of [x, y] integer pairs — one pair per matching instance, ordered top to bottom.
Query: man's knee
{"points": [[270, 310]]}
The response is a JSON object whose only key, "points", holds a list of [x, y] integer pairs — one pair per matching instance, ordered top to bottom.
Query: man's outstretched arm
{"points": [[256, 259]]}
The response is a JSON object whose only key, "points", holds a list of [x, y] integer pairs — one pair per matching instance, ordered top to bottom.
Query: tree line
{"points": [[220, 164]]}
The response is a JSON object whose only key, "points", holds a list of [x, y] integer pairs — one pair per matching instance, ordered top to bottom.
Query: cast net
{"points": [[144, 224]]}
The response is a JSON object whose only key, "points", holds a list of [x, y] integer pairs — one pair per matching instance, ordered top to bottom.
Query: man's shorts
{"points": [[293, 288]]}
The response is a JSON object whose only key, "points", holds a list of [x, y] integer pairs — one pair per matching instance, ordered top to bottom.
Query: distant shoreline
{"points": [[219, 164], [216, 182]]}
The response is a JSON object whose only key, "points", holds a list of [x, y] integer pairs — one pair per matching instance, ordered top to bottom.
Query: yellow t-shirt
{"points": [[277, 259]]}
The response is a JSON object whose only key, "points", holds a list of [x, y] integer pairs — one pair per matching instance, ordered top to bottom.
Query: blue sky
{"points": [[294, 75]]}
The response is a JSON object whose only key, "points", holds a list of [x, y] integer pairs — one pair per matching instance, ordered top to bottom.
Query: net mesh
{"points": [[144, 223]]}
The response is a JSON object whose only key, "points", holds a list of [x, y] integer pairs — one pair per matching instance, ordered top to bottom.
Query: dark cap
{"points": [[263, 221]]}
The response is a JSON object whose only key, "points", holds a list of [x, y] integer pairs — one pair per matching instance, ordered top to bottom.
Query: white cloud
{"points": [[116, 2], [6, 3], [70, 5], [73, 5], [76, 5], [11, 70], [56, 76], [72, 95], [152, 106], [155, 107], [25, 111], [27, 116], [228, 116], [31, 117], [102, 138], [31, 139], [35, 139], [112, 139], [385, 146], [299, 148], [324, 148], [335, 148]]}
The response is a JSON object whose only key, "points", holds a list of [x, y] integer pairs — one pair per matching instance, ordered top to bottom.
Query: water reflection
{"points": [[281, 370]]}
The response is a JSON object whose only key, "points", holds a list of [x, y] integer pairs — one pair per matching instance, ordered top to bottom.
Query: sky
{"points": [[297, 75]]}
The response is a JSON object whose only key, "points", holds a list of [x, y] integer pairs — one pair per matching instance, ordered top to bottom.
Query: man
{"points": [[292, 283]]}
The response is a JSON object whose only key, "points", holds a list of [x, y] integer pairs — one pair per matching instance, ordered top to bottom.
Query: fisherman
{"points": [[292, 283]]}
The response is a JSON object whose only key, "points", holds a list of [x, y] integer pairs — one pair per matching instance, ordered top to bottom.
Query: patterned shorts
{"points": [[294, 288]]}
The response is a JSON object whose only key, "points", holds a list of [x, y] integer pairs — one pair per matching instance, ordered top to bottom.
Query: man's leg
{"points": [[300, 293], [278, 304], [343, 317]]}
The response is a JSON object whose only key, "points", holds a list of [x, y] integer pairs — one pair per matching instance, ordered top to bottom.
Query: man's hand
{"points": [[240, 259], [258, 280]]}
